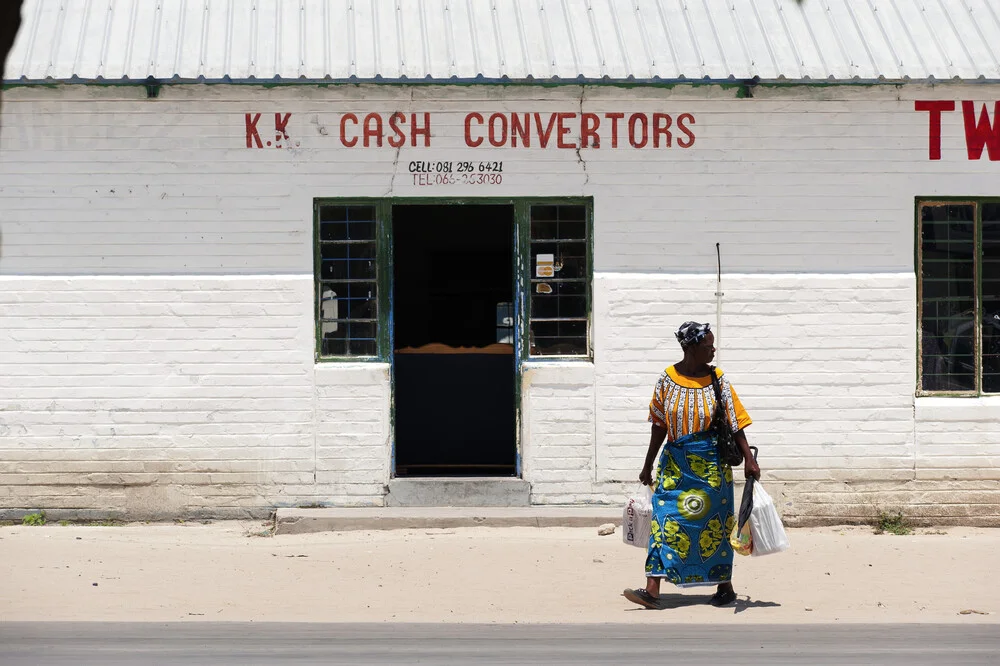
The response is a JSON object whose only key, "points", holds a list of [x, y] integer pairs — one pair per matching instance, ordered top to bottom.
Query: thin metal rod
{"points": [[718, 304]]}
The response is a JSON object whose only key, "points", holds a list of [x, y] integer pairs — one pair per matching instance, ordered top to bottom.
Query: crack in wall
{"points": [[579, 145], [399, 149], [395, 166]]}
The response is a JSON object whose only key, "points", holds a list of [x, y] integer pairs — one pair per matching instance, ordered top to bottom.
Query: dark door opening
{"points": [[453, 340]]}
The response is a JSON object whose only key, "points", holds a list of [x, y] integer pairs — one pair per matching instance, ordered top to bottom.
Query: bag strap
{"points": [[718, 393], [718, 405]]}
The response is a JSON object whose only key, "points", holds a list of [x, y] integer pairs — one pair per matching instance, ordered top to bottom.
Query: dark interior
{"points": [[453, 365]]}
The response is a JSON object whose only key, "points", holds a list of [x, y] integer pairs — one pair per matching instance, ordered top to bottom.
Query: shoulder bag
{"points": [[729, 452]]}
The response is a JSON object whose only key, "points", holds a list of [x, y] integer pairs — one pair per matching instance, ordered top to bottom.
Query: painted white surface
{"points": [[96, 181], [156, 316], [824, 364], [164, 396], [558, 432]]}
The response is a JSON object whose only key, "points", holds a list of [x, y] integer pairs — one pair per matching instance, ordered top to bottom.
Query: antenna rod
{"points": [[718, 304]]}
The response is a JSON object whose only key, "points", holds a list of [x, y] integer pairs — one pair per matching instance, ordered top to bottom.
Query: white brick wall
{"points": [[823, 363], [170, 369], [174, 396], [558, 431], [353, 442]]}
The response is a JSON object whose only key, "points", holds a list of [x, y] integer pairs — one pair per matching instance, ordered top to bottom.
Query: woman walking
{"points": [[693, 512]]}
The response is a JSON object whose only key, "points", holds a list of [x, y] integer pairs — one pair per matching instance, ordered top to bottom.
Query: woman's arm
{"points": [[656, 437], [750, 467]]}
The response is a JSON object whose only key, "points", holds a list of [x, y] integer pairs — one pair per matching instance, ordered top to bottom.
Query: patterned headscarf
{"points": [[691, 333]]}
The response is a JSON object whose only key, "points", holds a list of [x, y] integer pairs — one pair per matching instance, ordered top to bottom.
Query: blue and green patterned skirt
{"points": [[692, 514]]}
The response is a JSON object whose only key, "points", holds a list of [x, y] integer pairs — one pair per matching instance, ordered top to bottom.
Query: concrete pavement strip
{"points": [[308, 521], [182, 644]]}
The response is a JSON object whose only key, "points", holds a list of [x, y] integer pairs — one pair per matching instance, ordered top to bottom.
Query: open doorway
{"points": [[453, 340]]}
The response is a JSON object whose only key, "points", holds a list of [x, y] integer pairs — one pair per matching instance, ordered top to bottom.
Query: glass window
{"points": [[959, 276], [347, 281], [991, 296], [559, 298]]}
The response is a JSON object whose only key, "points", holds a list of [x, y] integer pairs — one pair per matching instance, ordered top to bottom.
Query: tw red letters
{"points": [[981, 132]]}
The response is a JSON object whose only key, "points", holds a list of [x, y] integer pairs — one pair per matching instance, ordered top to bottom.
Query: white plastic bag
{"points": [[637, 518], [765, 524]]}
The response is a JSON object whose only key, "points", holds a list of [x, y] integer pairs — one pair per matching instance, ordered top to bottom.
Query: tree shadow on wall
{"points": [[10, 21]]}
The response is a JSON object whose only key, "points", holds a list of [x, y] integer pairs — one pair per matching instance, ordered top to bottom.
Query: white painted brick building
{"points": [[162, 340]]}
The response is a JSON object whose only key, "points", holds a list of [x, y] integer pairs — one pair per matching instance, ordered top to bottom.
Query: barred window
{"points": [[347, 281], [959, 296], [559, 299]]}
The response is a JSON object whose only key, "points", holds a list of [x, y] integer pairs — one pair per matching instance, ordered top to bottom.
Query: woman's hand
{"points": [[750, 469], [646, 476]]}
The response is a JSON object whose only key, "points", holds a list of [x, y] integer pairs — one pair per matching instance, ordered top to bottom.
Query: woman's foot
{"points": [[725, 596], [643, 598]]}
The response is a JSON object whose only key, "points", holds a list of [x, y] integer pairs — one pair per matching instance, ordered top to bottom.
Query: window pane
{"points": [[342, 231], [947, 235], [570, 259], [348, 261], [990, 272], [560, 281], [574, 287], [348, 300], [554, 306], [348, 309], [552, 338], [344, 346]]}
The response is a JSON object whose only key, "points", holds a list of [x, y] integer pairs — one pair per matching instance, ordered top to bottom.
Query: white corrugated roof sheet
{"points": [[501, 40]]}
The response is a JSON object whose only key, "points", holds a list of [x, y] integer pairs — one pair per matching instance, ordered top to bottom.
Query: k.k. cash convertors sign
{"points": [[562, 130]]}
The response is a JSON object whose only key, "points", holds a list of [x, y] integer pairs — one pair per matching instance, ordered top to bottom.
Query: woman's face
{"points": [[704, 351]]}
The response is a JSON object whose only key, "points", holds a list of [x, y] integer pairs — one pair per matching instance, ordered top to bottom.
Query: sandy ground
{"points": [[223, 572]]}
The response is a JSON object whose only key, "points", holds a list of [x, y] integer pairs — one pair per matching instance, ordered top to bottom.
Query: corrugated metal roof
{"points": [[500, 40]]}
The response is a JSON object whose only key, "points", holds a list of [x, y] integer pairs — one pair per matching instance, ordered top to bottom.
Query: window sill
{"points": [[550, 361], [950, 397]]}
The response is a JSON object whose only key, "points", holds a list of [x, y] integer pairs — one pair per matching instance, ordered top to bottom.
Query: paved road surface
{"points": [[272, 643]]}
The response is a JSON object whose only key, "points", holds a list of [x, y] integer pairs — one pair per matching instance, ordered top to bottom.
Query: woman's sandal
{"points": [[643, 598], [723, 598]]}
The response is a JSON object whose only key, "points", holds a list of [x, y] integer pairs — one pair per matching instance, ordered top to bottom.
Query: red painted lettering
{"points": [[934, 108], [614, 118], [682, 121], [589, 123], [661, 126], [281, 128], [373, 129], [519, 130], [563, 130], [424, 131], [981, 134], [252, 135], [498, 135], [544, 135], [398, 137], [638, 140], [469, 141], [350, 143]]}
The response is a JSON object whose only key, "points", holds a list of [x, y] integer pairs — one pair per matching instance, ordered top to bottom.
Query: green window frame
{"points": [[351, 251], [559, 287], [958, 296], [553, 313]]}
